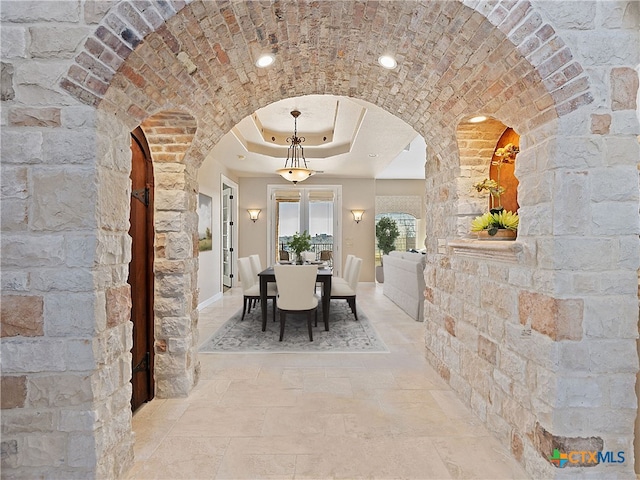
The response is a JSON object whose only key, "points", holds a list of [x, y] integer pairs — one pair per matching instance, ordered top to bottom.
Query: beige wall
{"points": [[400, 187], [357, 193], [210, 262]]}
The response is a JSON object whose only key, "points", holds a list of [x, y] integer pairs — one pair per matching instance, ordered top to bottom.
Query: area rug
{"points": [[345, 333]]}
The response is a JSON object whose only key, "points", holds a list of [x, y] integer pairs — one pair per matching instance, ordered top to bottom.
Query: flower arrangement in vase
{"points": [[497, 221], [300, 242]]}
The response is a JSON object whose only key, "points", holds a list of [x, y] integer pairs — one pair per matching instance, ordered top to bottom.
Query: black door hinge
{"points": [[141, 194], [143, 366]]}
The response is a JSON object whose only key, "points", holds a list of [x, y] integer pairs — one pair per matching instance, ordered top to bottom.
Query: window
{"points": [[296, 209], [407, 225]]}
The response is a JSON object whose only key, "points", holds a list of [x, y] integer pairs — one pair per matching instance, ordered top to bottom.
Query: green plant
{"points": [[506, 154], [492, 222], [386, 232], [300, 242]]}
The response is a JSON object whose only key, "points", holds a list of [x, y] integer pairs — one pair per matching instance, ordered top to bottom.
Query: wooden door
{"points": [[227, 236], [141, 269]]}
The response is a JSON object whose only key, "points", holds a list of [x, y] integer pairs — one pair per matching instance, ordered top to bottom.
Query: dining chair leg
{"points": [[352, 304], [244, 308], [274, 309], [283, 317], [309, 326]]}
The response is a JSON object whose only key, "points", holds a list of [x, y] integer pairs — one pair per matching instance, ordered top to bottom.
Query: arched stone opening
{"points": [[138, 61], [170, 135]]}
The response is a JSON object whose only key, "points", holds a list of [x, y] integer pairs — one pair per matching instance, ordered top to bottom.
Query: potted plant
{"points": [[497, 224], [386, 232], [300, 242]]}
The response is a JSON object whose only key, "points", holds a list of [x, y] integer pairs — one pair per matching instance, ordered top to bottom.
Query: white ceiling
{"points": [[344, 137]]}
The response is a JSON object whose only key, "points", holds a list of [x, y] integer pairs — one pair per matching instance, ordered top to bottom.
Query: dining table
{"points": [[323, 277]]}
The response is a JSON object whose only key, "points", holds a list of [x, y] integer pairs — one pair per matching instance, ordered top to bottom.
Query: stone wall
{"points": [[78, 76], [170, 135], [539, 337]]}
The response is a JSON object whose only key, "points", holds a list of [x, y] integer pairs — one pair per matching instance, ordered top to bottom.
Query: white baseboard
{"points": [[209, 301]]}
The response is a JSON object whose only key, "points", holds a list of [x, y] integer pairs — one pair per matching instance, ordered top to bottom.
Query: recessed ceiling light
{"points": [[265, 60], [388, 62], [478, 119]]}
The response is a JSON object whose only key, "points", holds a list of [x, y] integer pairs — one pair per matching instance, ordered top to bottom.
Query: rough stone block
{"points": [[41, 11], [55, 41], [13, 42], [37, 80], [624, 88], [7, 93], [34, 117], [78, 117], [600, 124], [64, 146], [21, 147], [170, 181], [14, 182], [614, 184], [63, 198], [171, 200], [112, 210], [571, 212], [14, 215], [615, 218], [168, 221], [179, 245], [62, 279], [13, 281], [118, 305], [171, 307], [22, 315], [611, 317], [559, 319], [63, 321], [450, 325], [175, 326], [487, 350], [80, 355], [27, 356], [613, 356], [513, 365], [619, 387], [14, 391], [59, 391], [579, 392], [28, 420], [78, 420], [545, 443], [9, 449], [44, 450], [82, 450]]}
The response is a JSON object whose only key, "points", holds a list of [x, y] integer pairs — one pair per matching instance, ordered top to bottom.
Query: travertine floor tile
{"points": [[318, 416]]}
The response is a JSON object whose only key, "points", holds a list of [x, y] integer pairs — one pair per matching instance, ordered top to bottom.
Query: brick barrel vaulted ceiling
{"points": [[453, 61]]}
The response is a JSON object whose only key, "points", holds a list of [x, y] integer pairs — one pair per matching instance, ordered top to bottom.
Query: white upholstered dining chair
{"points": [[296, 285], [251, 287], [346, 290]]}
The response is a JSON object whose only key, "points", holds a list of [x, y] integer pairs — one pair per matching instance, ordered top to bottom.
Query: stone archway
{"points": [[198, 58]]}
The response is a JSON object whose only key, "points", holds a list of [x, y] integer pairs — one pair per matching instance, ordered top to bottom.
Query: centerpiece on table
{"points": [[497, 224], [300, 242]]}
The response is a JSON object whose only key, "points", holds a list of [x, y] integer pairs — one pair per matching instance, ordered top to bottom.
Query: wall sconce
{"points": [[253, 214], [357, 215]]}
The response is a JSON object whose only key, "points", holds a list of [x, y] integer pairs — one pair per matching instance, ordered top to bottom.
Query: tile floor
{"points": [[318, 416]]}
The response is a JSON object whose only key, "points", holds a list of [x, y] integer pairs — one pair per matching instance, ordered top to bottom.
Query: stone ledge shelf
{"points": [[504, 251]]}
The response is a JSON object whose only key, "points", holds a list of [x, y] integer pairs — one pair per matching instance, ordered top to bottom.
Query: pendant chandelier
{"points": [[293, 171]]}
